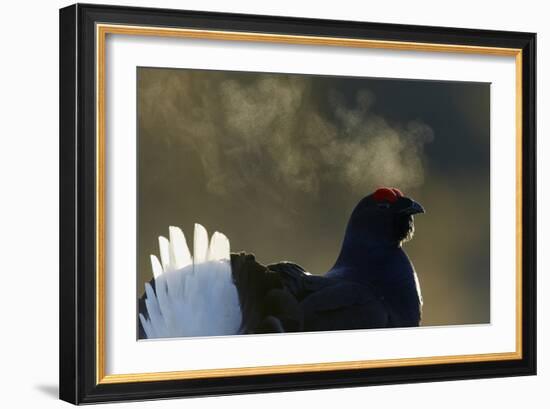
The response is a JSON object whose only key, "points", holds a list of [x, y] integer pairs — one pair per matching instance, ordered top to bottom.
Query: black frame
{"points": [[77, 204]]}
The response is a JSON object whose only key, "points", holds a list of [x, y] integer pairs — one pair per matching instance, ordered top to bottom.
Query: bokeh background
{"points": [[278, 161]]}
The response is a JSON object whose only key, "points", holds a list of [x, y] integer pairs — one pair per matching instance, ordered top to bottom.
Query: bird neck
{"points": [[361, 242], [368, 257]]}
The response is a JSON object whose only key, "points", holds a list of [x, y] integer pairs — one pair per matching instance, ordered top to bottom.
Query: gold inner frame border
{"points": [[102, 30]]}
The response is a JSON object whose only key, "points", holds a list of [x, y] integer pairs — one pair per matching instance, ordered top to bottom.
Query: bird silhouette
{"points": [[372, 284]]}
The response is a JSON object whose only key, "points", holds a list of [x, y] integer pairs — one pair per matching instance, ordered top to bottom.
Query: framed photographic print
{"points": [[258, 203]]}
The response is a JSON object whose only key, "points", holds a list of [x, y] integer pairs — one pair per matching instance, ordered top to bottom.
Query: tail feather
{"points": [[200, 244], [219, 247], [164, 248], [178, 248], [157, 267], [193, 296], [153, 310], [146, 325]]}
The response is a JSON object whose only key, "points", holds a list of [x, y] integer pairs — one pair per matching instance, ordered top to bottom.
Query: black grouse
{"points": [[372, 284]]}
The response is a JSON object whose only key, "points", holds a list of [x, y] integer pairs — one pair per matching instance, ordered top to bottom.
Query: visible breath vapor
{"points": [[300, 139]]}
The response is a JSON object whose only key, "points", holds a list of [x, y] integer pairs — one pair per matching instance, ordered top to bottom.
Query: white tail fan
{"points": [[193, 296]]}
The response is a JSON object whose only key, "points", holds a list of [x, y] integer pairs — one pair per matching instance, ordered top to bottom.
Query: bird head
{"points": [[386, 216]]}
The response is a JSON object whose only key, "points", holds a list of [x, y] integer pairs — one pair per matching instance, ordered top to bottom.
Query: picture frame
{"points": [[83, 132]]}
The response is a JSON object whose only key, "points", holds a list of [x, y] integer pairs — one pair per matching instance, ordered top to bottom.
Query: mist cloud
{"points": [[275, 133]]}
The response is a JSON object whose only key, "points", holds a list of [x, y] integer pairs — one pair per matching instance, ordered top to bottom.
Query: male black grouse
{"points": [[372, 284]]}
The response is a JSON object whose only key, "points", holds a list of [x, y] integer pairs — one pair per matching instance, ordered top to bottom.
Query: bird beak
{"points": [[412, 208]]}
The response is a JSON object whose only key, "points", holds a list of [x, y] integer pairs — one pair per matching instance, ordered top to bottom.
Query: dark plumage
{"points": [[371, 285]]}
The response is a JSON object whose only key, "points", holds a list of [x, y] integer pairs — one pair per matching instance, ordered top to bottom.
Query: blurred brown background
{"points": [[277, 162]]}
